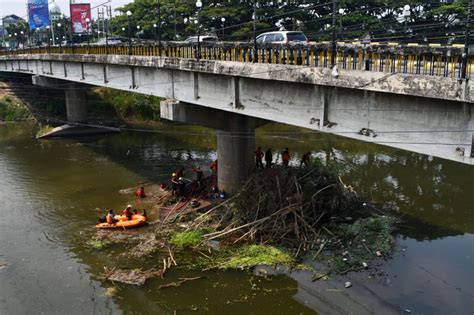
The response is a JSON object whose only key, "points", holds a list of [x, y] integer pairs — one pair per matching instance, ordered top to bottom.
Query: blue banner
{"points": [[38, 14]]}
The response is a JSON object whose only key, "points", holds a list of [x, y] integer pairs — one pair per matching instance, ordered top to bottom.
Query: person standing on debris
{"points": [[285, 157], [258, 158], [268, 158], [305, 159], [213, 167], [199, 175], [174, 183], [181, 187]]}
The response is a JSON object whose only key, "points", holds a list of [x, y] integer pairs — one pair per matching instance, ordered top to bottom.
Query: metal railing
{"points": [[443, 61]]}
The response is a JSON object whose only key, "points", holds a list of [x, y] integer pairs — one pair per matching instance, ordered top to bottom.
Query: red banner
{"points": [[80, 12]]}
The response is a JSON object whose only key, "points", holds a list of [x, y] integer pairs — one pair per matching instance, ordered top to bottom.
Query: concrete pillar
{"points": [[76, 103], [235, 138], [235, 148]]}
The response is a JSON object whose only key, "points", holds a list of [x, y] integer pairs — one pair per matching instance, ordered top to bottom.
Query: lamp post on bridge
{"points": [[198, 6], [129, 16], [406, 17], [222, 25], [88, 33], [59, 38], [466, 41]]}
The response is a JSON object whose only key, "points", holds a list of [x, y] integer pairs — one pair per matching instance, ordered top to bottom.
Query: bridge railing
{"points": [[443, 61]]}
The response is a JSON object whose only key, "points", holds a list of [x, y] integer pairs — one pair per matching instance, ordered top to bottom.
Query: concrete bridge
{"points": [[415, 103]]}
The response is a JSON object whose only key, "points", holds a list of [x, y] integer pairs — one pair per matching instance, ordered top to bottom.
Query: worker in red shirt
{"points": [[285, 157], [258, 158], [213, 167], [140, 193]]}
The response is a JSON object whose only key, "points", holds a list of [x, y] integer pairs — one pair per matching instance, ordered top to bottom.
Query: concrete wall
{"points": [[429, 115]]}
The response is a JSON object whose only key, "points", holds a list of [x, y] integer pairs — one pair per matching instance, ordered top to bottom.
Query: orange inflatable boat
{"points": [[123, 223]]}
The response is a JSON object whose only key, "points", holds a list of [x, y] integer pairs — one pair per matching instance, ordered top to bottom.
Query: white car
{"points": [[282, 37], [202, 38]]}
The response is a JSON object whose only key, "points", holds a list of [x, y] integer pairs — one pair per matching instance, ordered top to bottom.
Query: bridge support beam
{"points": [[76, 109], [235, 138]]}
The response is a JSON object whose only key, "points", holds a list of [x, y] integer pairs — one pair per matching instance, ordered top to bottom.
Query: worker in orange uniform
{"points": [[285, 157], [258, 158], [128, 212]]}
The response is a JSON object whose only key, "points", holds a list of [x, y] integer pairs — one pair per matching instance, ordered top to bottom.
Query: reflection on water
{"points": [[51, 192]]}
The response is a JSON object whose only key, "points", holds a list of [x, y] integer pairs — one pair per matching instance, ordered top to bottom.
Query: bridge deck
{"points": [[418, 60]]}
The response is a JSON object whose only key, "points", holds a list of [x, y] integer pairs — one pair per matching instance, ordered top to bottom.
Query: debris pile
{"points": [[291, 207]]}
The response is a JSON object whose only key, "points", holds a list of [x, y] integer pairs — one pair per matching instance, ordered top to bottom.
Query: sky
{"points": [[18, 7]]}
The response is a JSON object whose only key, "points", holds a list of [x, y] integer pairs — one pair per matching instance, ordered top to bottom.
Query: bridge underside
{"points": [[436, 126]]}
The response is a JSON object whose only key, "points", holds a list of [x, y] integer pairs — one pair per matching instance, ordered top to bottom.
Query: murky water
{"points": [[50, 192]]}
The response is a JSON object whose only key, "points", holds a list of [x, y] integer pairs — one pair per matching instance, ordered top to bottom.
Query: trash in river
{"points": [[378, 253], [3, 265], [365, 265], [134, 277], [348, 284], [407, 310]]}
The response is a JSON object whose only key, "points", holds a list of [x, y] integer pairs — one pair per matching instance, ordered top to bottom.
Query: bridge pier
{"points": [[76, 103], [76, 109], [235, 139]]}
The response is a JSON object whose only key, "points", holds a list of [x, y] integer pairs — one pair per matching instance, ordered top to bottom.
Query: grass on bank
{"points": [[13, 111]]}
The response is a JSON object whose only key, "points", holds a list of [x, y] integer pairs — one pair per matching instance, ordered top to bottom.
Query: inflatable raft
{"points": [[123, 223]]}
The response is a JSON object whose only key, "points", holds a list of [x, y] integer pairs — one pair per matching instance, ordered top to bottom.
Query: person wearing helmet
{"points": [[174, 183], [181, 187], [128, 212]]}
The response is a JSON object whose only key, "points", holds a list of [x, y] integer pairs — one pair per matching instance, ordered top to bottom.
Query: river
{"points": [[51, 193]]}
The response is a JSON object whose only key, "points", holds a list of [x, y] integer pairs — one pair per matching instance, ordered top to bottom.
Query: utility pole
{"points": [[466, 41], [333, 46], [255, 50]]}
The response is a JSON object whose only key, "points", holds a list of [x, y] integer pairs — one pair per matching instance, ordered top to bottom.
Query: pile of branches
{"points": [[282, 206]]}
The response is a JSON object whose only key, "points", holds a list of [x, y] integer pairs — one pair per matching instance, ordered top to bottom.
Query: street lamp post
{"points": [[198, 6], [341, 13], [129, 16], [406, 17], [254, 18], [223, 24], [159, 28], [88, 33], [48, 38], [22, 40], [60, 41], [466, 41]]}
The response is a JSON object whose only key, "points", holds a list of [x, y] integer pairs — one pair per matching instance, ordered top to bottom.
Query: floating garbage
{"points": [[348, 284]]}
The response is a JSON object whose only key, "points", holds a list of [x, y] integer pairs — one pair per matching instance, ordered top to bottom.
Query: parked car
{"points": [[282, 37], [203, 38], [110, 41]]}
